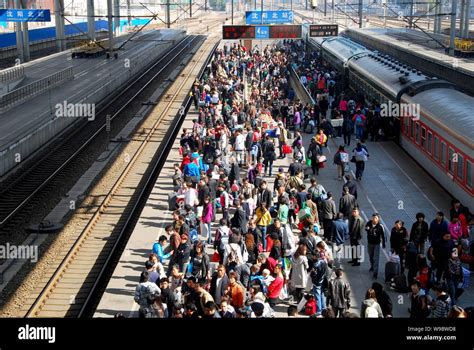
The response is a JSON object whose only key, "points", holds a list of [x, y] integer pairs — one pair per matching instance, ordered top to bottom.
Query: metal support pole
{"points": [[205, 5], [306, 5], [325, 7], [191, 9], [232, 11], [332, 11], [129, 13], [360, 13], [168, 14], [116, 17], [461, 17], [90, 19], [467, 19], [59, 21], [410, 21], [110, 27], [453, 27], [19, 36], [26, 42]]}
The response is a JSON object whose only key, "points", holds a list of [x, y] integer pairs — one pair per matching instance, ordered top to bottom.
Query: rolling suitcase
{"points": [[392, 269]]}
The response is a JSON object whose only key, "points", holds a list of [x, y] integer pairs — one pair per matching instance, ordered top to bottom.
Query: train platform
{"points": [[32, 120], [393, 185]]}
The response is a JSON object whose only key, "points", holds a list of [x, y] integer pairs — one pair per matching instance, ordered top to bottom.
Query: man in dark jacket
{"points": [[347, 129], [350, 185], [203, 191], [264, 195], [347, 203], [328, 214], [239, 220], [356, 225], [437, 227], [340, 230], [419, 232], [375, 236], [440, 252], [183, 253], [318, 274], [219, 283], [339, 294], [383, 299], [419, 302]]}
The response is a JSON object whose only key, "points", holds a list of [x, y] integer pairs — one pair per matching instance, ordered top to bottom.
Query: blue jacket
{"points": [[195, 154], [192, 169], [340, 231], [158, 250]]}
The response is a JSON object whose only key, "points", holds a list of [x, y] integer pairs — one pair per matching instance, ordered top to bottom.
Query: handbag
{"points": [[322, 159], [308, 161], [215, 257]]}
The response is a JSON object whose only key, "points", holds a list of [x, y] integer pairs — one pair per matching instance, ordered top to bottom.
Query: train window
{"points": [[405, 124], [412, 127], [417, 133], [423, 137], [429, 143], [436, 148], [443, 153], [451, 160], [460, 166], [468, 174]]}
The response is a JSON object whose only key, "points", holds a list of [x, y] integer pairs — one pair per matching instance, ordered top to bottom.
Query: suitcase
{"points": [[392, 269], [400, 283]]}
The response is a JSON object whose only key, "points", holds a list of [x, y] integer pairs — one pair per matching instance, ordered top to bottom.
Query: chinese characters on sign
{"points": [[14, 15], [269, 17], [322, 30], [238, 32]]}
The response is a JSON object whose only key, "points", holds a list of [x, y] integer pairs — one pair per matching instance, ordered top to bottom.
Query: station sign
{"points": [[17, 15], [269, 17], [323, 30], [261, 32]]}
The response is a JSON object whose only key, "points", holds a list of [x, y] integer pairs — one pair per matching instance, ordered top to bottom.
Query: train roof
{"points": [[343, 48], [387, 73], [450, 107]]}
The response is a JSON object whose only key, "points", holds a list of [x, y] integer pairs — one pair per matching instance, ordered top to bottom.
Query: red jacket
{"points": [[275, 288]]}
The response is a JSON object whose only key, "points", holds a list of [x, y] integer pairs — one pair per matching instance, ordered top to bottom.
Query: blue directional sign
{"points": [[15, 15], [269, 17], [262, 32]]}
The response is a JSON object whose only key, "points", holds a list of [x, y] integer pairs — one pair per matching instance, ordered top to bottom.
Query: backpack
{"points": [[359, 121], [193, 235], [223, 238], [232, 257], [424, 277], [310, 307], [371, 312]]}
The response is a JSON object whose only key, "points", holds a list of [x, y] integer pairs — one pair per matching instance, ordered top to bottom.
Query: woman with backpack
{"points": [[360, 156], [370, 307]]}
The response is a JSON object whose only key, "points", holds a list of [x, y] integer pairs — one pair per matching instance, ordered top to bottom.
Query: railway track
{"points": [[27, 190], [70, 287]]}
